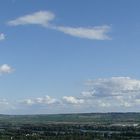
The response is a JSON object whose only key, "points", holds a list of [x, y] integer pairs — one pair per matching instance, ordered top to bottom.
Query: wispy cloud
{"points": [[43, 18], [94, 33], [2, 36], [5, 69]]}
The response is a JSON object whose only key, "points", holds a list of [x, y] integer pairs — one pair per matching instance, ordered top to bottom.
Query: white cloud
{"points": [[41, 18], [94, 33], [2, 36], [5, 69], [115, 86], [117, 91], [104, 94], [41, 100], [46, 100], [49, 100], [72, 100], [28, 101], [137, 101], [4, 102], [103, 104], [5, 106]]}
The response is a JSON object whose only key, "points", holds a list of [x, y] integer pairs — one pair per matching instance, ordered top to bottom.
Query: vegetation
{"points": [[92, 126]]}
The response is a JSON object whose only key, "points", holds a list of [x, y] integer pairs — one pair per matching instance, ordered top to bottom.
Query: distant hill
{"points": [[73, 118]]}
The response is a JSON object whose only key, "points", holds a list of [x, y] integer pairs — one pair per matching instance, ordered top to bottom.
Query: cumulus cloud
{"points": [[43, 18], [2, 36], [5, 69], [115, 86], [118, 91], [104, 94], [101, 95], [41, 100], [50, 100], [72, 100], [28, 101], [103, 104]]}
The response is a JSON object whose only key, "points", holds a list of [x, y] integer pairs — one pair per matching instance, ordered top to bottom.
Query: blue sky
{"points": [[82, 56]]}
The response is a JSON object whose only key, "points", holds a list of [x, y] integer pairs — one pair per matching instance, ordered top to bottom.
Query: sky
{"points": [[73, 56]]}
